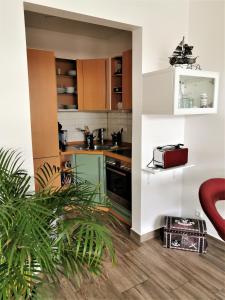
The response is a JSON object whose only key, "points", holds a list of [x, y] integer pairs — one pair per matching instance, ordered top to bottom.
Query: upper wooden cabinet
{"points": [[66, 75], [127, 80], [121, 81], [92, 84], [43, 103]]}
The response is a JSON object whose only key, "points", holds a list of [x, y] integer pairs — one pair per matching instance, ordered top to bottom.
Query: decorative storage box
{"points": [[185, 234]]}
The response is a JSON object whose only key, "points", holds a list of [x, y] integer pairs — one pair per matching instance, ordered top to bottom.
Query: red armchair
{"points": [[211, 191]]}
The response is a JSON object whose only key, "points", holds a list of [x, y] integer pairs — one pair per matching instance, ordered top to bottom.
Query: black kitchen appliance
{"points": [[62, 134], [117, 137], [89, 140], [118, 178]]}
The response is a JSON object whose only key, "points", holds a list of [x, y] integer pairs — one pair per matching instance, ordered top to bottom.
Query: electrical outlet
{"points": [[125, 129]]}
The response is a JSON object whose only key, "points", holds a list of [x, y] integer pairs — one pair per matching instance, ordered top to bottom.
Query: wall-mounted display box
{"points": [[180, 91]]}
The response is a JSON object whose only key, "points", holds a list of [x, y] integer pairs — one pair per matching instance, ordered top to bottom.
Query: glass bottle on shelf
{"points": [[181, 94], [203, 100]]}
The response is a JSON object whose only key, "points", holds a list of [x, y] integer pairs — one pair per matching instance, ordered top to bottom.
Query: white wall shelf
{"points": [[180, 91], [155, 170]]}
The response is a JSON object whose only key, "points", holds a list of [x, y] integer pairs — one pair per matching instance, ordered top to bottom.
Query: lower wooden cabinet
{"points": [[53, 161], [91, 167]]}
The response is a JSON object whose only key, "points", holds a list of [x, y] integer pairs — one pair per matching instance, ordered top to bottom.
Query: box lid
{"points": [[185, 225]]}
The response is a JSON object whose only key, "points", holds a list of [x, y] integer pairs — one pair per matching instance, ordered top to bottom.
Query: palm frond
{"points": [[52, 231]]}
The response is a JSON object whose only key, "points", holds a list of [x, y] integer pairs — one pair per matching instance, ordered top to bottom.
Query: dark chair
{"points": [[210, 192]]}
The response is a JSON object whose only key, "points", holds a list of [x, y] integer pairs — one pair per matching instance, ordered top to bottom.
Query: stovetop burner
{"points": [[125, 152]]}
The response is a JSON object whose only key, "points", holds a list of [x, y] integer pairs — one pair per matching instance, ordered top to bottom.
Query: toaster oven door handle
{"points": [[115, 171]]}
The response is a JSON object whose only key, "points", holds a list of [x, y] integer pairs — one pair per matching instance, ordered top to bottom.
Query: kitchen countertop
{"points": [[71, 150]]}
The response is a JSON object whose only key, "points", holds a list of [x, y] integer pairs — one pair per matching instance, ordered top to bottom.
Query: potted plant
{"points": [[47, 233]]}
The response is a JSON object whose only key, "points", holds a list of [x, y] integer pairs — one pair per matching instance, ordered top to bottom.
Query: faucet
{"points": [[100, 135]]}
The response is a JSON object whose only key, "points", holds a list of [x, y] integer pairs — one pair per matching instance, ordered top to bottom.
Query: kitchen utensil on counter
{"points": [[100, 135], [117, 137], [89, 140]]}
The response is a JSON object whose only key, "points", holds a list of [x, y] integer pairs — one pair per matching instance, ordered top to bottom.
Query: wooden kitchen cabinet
{"points": [[127, 80], [121, 81], [66, 84], [92, 84], [43, 106], [52, 161], [91, 167]]}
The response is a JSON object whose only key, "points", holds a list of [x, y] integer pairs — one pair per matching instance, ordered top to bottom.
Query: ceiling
{"points": [[52, 23]]}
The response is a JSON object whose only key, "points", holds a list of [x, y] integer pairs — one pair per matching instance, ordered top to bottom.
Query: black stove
{"points": [[124, 152]]}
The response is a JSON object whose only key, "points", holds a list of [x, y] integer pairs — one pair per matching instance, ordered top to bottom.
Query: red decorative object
{"points": [[211, 191]]}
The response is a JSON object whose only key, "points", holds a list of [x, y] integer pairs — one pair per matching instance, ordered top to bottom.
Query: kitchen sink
{"points": [[96, 147], [102, 147]]}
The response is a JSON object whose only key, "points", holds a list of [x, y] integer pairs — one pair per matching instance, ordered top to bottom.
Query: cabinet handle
{"points": [[99, 170], [117, 172]]}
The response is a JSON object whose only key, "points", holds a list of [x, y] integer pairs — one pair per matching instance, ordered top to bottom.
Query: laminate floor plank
{"points": [[151, 272], [125, 274], [148, 290], [192, 290], [220, 295]]}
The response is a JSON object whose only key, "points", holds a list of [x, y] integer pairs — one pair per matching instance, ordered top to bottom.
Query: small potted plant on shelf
{"points": [[47, 233]]}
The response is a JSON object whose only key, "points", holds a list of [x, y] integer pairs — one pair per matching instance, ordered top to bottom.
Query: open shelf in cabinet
{"points": [[65, 80], [116, 81], [121, 81]]}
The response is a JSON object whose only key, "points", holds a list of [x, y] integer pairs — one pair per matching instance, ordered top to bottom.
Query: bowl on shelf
{"points": [[72, 72], [70, 89], [61, 90], [72, 106]]}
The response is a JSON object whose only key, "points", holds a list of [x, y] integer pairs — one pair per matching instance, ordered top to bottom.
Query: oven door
{"points": [[119, 185]]}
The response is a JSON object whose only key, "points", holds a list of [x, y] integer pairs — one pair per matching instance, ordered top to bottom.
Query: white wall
{"points": [[163, 23], [76, 46], [14, 97], [205, 135], [162, 192]]}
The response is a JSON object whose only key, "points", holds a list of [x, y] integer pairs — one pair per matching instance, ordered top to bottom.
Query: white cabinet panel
{"points": [[180, 91]]}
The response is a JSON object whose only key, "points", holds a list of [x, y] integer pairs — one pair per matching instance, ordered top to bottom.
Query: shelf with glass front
{"points": [[66, 78], [184, 92]]}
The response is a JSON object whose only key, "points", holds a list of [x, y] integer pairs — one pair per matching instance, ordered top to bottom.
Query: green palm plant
{"points": [[51, 232]]}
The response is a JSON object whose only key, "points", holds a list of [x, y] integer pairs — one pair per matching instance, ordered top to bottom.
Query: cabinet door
{"points": [[127, 79], [92, 84], [43, 103], [52, 161], [92, 168]]}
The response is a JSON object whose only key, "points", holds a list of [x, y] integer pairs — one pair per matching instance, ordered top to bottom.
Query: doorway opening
{"points": [[83, 44]]}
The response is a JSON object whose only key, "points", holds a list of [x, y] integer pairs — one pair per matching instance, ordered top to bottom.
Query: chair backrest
{"points": [[210, 192]]}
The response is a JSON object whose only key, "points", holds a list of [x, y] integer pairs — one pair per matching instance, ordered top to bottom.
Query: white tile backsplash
{"points": [[111, 121], [116, 121]]}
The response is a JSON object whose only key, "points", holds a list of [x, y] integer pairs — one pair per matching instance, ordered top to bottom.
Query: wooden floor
{"points": [[151, 272]]}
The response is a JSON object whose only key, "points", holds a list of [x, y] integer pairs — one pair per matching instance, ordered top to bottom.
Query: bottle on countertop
{"points": [[62, 134]]}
